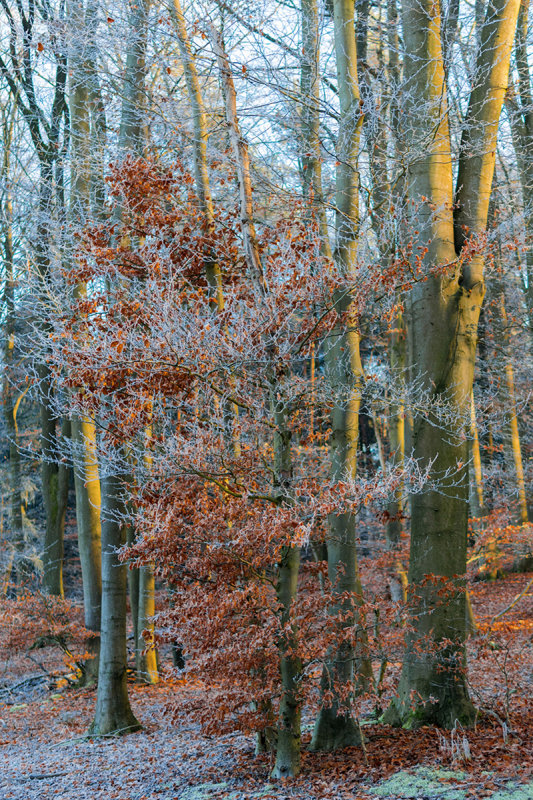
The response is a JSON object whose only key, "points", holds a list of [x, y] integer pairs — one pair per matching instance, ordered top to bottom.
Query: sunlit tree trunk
{"points": [[203, 189], [442, 343], [84, 445], [477, 503], [145, 652], [113, 712], [336, 725]]}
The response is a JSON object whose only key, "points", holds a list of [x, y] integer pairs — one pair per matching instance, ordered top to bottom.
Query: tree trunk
{"points": [[82, 86], [521, 118], [311, 160], [213, 274], [444, 313], [396, 426], [512, 438], [52, 474], [15, 483], [57, 494], [477, 504], [88, 506], [146, 662], [113, 712], [289, 721], [336, 726], [288, 750]]}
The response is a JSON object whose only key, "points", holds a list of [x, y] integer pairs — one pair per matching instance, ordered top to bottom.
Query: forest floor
{"points": [[44, 753]]}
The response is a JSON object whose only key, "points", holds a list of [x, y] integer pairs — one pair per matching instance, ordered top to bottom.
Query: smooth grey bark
{"points": [[133, 117], [132, 137], [54, 476], [146, 655]]}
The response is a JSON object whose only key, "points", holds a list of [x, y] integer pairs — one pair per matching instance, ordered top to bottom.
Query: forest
{"points": [[266, 275]]}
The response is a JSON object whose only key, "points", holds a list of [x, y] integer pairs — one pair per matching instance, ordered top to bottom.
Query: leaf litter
{"points": [[46, 756]]}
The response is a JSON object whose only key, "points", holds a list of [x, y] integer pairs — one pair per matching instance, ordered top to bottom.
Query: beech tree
{"points": [[87, 127], [444, 313], [113, 712]]}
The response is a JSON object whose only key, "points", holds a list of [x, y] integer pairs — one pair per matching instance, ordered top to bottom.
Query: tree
{"points": [[87, 125], [49, 138], [444, 313], [113, 712], [336, 726]]}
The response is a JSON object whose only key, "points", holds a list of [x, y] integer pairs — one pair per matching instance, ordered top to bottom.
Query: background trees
{"points": [[250, 294]]}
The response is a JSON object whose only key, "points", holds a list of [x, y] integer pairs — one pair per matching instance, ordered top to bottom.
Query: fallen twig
{"points": [[513, 602], [31, 679], [44, 777]]}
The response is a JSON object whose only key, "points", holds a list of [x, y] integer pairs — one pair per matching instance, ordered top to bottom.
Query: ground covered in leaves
{"points": [[45, 755]]}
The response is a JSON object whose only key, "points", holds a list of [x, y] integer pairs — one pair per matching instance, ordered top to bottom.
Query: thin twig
{"points": [[513, 603]]}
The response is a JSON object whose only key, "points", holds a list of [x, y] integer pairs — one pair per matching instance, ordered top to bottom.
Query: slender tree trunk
{"points": [[521, 118], [132, 138], [311, 159], [242, 164], [213, 274], [396, 427], [514, 450], [84, 454], [53, 474], [15, 483], [477, 504], [88, 507], [55, 529], [146, 662], [113, 712], [289, 721], [336, 725], [288, 750]]}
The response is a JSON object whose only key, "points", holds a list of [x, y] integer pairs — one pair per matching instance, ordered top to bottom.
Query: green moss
{"points": [[421, 783], [440, 784]]}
